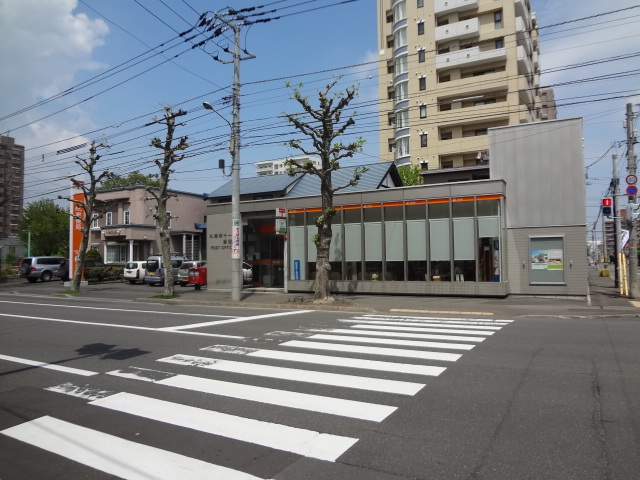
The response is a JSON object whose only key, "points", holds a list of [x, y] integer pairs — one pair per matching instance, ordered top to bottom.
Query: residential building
{"points": [[449, 71], [548, 110], [278, 167], [11, 193], [127, 230], [521, 231]]}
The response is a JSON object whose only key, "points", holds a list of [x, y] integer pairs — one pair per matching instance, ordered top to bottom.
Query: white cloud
{"points": [[47, 46]]}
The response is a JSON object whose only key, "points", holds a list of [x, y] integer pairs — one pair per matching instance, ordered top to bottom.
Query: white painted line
{"points": [[117, 309], [444, 319], [234, 320], [115, 325], [443, 326], [408, 328], [425, 336], [392, 341], [391, 352], [345, 362], [48, 366], [298, 375], [86, 392], [284, 398], [308, 443], [116, 456]]}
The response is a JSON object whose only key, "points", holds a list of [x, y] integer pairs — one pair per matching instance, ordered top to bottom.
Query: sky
{"points": [[96, 70]]}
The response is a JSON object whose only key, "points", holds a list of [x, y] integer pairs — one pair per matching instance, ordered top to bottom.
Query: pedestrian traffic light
{"points": [[607, 204]]}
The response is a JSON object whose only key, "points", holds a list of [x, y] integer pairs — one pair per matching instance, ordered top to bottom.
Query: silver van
{"points": [[43, 268], [154, 274]]}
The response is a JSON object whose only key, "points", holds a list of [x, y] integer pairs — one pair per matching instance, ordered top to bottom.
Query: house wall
{"points": [[140, 237]]}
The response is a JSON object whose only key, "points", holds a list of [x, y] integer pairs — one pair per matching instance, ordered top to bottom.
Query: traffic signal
{"points": [[607, 205]]}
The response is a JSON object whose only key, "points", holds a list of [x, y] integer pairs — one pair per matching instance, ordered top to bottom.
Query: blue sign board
{"points": [[296, 269]]}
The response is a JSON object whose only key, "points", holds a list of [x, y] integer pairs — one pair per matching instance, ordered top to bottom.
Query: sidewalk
{"points": [[603, 299]]}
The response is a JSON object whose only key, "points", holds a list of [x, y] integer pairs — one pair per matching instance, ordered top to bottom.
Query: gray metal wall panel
{"points": [[542, 164]]}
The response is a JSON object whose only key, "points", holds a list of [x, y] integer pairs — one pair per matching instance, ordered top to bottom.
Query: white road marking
{"points": [[117, 309], [443, 319], [233, 320], [115, 325], [443, 326], [416, 327], [374, 333], [392, 341], [391, 352], [346, 362], [48, 366], [298, 375], [84, 391], [284, 398], [308, 443], [114, 455]]}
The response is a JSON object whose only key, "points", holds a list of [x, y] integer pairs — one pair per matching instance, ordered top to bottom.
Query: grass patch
{"points": [[68, 292], [166, 297]]}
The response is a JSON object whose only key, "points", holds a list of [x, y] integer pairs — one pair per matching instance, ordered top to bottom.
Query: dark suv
{"points": [[43, 268]]}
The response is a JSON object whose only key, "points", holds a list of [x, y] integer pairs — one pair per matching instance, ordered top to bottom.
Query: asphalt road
{"points": [[98, 388]]}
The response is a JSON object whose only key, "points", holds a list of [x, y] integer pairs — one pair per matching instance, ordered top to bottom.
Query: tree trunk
{"points": [[323, 267]]}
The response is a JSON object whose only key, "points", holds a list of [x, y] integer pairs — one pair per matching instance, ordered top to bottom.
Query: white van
{"points": [[155, 269], [134, 272]]}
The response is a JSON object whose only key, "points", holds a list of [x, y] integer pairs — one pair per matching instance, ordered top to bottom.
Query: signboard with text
{"points": [[76, 223]]}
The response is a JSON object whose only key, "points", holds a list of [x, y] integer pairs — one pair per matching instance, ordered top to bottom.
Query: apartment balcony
{"points": [[447, 6], [523, 10], [458, 30], [522, 34], [468, 57], [525, 66], [525, 91], [474, 115]]}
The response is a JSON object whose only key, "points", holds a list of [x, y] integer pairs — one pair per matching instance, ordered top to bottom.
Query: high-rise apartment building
{"points": [[449, 70], [278, 167], [11, 188]]}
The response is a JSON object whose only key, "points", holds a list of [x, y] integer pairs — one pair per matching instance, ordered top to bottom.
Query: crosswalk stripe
{"points": [[438, 319], [443, 326], [413, 328], [430, 336], [393, 341], [393, 352], [348, 362], [49, 366], [298, 375], [284, 398], [308, 443], [114, 455]]}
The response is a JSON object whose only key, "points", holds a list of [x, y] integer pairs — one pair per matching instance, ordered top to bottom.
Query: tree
{"points": [[324, 130], [410, 175], [132, 179], [161, 193], [84, 209], [49, 227]]}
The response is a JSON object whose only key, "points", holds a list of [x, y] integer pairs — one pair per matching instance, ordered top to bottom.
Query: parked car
{"points": [[89, 263], [43, 268], [155, 269], [135, 271], [183, 272], [247, 273]]}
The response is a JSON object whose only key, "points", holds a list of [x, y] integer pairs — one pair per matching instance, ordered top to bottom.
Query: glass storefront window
{"points": [[488, 240], [463, 241], [439, 242], [353, 243], [394, 243], [417, 243], [373, 245]]}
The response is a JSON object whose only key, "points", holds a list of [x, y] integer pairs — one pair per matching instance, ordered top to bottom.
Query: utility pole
{"points": [[234, 20], [615, 182], [633, 235]]}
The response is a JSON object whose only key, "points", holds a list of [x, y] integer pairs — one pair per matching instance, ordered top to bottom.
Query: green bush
{"points": [[103, 274]]}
